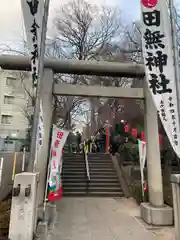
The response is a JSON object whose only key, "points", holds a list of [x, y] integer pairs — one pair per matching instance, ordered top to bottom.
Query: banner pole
{"points": [[46, 187]]}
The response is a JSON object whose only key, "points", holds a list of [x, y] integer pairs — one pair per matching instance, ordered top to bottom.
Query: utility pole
{"points": [[33, 149]]}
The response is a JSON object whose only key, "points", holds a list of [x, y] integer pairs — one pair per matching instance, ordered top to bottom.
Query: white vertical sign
{"points": [[33, 12], [159, 66], [40, 130], [142, 160]]}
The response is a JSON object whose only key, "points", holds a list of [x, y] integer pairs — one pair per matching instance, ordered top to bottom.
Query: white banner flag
{"points": [[33, 11], [159, 66], [40, 130], [59, 137], [142, 161]]}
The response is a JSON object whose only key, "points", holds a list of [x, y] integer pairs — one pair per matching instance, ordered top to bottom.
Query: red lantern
{"points": [[126, 128], [134, 132], [143, 137]]}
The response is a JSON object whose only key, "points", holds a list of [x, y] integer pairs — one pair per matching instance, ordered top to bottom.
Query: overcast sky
{"points": [[11, 21]]}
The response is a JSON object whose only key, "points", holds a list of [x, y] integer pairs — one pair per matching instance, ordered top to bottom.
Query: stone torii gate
{"points": [[154, 212]]}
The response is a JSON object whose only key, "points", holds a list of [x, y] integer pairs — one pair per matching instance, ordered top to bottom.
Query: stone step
{"points": [[72, 154], [105, 155], [73, 160], [98, 160], [74, 163], [100, 163], [104, 165], [67, 168], [102, 170], [92, 171], [93, 174], [74, 175], [80, 176], [103, 176], [93, 180], [91, 183], [92, 188], [93, 194]]}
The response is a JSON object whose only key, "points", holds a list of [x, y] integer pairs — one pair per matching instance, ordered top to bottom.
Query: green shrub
{"points": [[130, 152], [137, 193], [168, 198], [5, 210]]}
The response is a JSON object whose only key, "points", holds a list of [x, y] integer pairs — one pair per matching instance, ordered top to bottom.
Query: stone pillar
{"points": [[42, 158], [175, 180], [155, 186], [23, 207], [154, 212]]}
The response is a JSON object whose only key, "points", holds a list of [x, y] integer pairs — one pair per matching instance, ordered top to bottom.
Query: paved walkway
{"points": [[101, 219]]}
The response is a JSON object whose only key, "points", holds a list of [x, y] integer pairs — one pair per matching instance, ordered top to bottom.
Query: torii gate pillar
{"points": [[47, 105], [154, 212]]}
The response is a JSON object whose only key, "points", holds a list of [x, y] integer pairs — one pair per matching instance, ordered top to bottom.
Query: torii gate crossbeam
{"points": [[98, 68]]}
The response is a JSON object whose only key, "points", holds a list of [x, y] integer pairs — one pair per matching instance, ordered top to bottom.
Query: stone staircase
{"points": [[74, 175], [103, 183]]}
